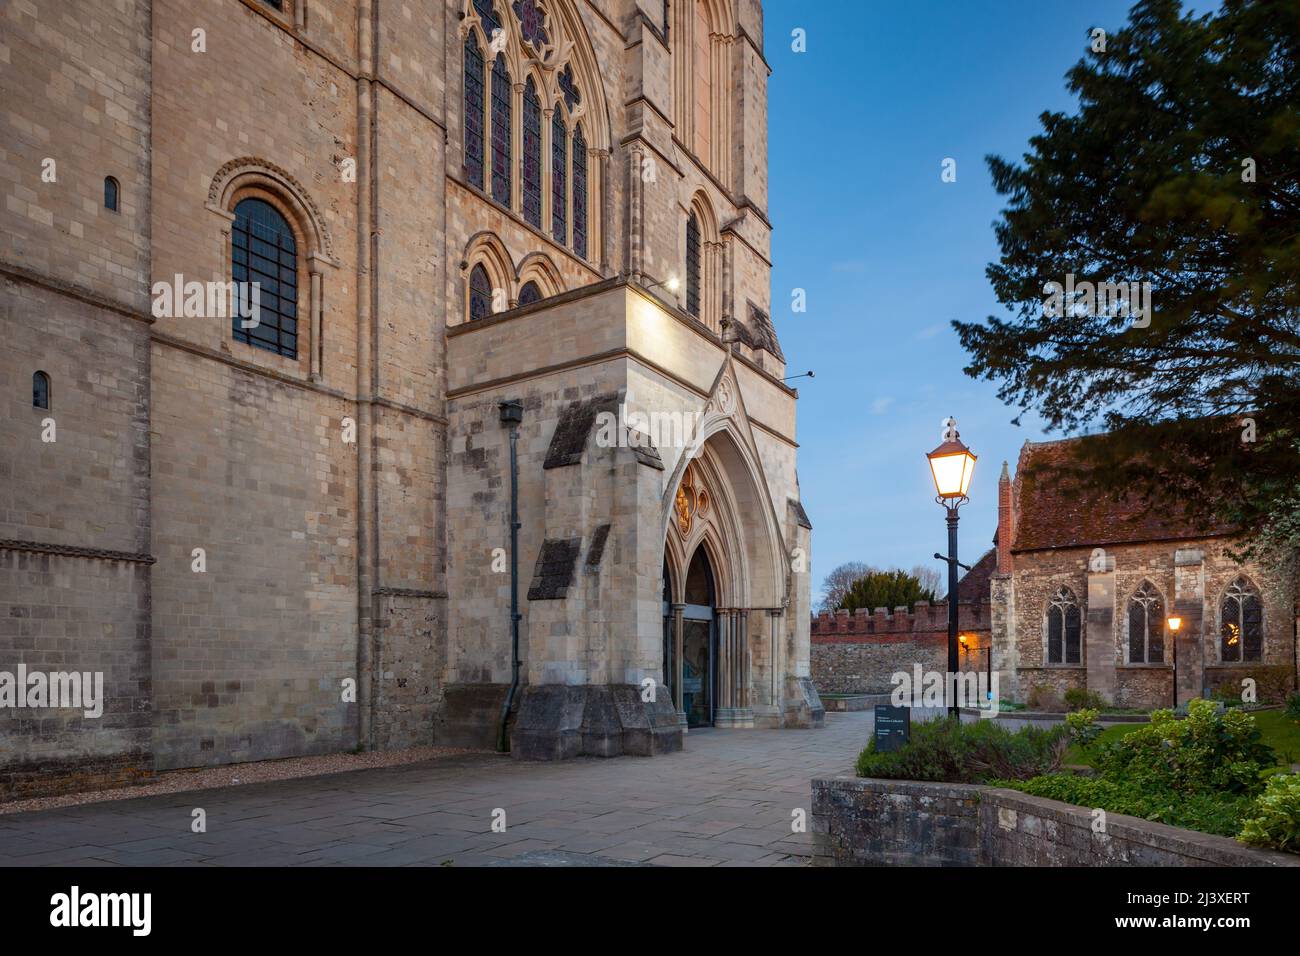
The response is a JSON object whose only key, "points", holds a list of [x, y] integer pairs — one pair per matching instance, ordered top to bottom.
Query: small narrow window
{"points": [[532, 158], [502, 173], [559, 179], [111, 190], [579, 193], [693, 265], [530, 293], [480, 294], [40, 390]]}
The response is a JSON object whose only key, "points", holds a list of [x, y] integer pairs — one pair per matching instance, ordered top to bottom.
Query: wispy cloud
{"points": [[848, 265], [930, 331], [881, 405]]}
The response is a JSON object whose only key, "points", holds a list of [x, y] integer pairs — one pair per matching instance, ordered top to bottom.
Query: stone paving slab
{"points": [[725, 800]]}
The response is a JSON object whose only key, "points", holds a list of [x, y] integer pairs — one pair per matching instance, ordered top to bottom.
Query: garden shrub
{"points": [[1272, 684], [1080, 698], [1293, 707], [1083, 726], [949, 751], [1207, 752], [1219, 813], [1273, 820]]}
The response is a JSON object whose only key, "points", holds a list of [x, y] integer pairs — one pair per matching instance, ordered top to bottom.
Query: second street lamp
{"points": [[952, 464]]}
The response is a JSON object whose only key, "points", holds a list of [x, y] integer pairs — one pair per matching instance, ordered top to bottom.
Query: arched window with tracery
{"points": [[473, 112], [532, 157], [502, 169], [559, 179], [579, 192], [264, 254], [693, 265], [480, 293], [1241, 623], [1146, 626], [1064, 628]]}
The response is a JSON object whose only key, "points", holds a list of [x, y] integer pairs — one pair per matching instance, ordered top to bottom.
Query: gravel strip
{"points": [[230, 775]]}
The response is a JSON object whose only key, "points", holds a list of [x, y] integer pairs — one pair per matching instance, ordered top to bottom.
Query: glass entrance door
{"points": [[697, 672]]}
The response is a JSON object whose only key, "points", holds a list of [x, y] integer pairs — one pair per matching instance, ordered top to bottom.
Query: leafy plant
{"points": [[1080, 698], [1293, 707], [1083, 726], [950, 751], [1205, 753], [1218, 813], [1274, 818]]}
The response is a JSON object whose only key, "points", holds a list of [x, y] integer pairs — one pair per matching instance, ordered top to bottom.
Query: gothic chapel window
{"points": [[1064, 624]]}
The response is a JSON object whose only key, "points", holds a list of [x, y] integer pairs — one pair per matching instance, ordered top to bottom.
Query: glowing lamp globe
{"points": [[952, 465]]}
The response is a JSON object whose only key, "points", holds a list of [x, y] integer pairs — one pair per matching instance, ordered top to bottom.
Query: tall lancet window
{"points": [[473, 112], [532, 158], [501, 168], [559, 179], [579, 193], [693, 265], [1146, 626]]}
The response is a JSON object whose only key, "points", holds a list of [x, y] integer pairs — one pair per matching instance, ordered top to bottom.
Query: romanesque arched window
{"points": [[473, 112], [532, 156], [501, 159], [559, 179], [579, 192], [111, 193], [264, 254], [693, 265], [480, 293], [530, 293], [40, 390], [1241, 623], [1064, 626], [1146, 626]]}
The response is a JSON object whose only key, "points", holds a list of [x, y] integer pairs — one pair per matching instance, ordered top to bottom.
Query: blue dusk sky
{"points": [[889, 255]]}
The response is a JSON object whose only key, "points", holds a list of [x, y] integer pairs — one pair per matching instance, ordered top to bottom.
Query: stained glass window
{"points": [[488, 14], [531, 22], [571, 96], [473, 112], [532, 158], [501, 168], [559, 180], [111, 190], [579, 193], [263, 253], [693, 266], [530, 293], [480, 294], [40, 390], [1241, 623], [1146, 626], [1063, 628]]}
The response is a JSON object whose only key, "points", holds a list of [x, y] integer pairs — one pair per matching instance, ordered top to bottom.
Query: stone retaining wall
{"points": [[866, 822]]}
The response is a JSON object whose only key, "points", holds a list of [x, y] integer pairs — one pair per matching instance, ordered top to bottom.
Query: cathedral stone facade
{"points": [[284, 278], [1086, 587]]}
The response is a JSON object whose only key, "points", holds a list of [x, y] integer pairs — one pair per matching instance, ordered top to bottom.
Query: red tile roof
{"points": [[1053, 512]]}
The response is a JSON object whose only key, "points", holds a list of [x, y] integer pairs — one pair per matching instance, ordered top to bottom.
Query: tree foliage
{"points": [[1180, 168], [889, 589]]}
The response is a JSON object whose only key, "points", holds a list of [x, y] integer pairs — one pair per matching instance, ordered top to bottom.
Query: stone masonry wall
{"points": [[864, 822]]}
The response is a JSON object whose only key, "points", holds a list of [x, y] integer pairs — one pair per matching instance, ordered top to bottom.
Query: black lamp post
{"points": [[952, 465]]}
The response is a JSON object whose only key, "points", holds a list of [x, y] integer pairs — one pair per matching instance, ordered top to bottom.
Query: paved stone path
{"points": [[726, 800]]}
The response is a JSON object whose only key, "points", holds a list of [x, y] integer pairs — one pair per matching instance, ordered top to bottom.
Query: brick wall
{"points": [[856, 653]]}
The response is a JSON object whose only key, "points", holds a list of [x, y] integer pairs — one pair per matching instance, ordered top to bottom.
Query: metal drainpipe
{"points": [[512, 413]]}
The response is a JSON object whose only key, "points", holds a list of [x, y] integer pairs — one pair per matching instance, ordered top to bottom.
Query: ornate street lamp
{"points": [[952, 465]]}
